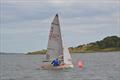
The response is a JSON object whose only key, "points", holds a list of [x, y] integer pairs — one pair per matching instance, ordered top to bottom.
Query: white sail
{"points": [[55, 48], [67, 57]]}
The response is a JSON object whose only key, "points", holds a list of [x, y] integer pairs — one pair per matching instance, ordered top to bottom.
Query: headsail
{"points": [[55, 47], [67, 56]]}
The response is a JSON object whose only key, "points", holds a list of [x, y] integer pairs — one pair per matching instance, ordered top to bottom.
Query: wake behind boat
{"points": [[57, 56]]}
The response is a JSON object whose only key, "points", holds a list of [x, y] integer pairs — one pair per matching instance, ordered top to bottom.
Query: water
{"points": [[97, 66]]}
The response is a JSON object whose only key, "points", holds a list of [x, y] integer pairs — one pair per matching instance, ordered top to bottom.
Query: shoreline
{"points": [[77, 52]]}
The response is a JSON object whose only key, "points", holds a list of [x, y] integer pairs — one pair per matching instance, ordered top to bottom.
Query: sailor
{"points": [[56, 62]]}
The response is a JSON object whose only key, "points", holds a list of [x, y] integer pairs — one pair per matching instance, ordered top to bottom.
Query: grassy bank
{"points": [[108, 44], [38, 52]]}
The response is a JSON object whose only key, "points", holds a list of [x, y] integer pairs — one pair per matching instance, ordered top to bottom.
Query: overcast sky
{"points": [[25, 24]]}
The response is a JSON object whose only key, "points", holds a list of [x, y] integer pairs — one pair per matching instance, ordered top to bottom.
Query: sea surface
{"points": [[97, 66]]}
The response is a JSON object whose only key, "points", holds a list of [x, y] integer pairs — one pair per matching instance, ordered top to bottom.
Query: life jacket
{"points": [[56, 62]]}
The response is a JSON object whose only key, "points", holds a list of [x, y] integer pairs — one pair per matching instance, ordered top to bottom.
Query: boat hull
{"points": [[49, 66]]}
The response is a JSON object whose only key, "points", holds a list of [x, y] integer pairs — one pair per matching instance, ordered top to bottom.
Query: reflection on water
{"points": [[97, 66]]}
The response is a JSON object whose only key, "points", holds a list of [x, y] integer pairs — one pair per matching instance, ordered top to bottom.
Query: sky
{"points": [[25, 24]]}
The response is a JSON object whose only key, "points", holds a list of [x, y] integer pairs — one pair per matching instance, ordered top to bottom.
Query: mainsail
{"points": [[55, 47]]}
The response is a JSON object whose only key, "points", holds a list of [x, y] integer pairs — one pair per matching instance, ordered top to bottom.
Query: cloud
{"points": [[30, 9], [82, 21], [25, 27]]}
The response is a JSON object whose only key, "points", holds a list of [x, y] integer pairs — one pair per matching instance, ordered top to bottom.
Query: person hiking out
{"points": [[56, 62]]}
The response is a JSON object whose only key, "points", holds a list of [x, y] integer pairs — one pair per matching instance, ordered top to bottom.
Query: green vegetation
{"points": [[110, 43], [38, 52]]}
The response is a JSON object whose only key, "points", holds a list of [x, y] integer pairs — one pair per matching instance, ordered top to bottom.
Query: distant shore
{"points": [[108, 44], [77, 50], [41, 52]]}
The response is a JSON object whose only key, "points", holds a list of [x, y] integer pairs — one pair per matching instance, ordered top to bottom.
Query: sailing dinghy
{"points": [[56, 49]]}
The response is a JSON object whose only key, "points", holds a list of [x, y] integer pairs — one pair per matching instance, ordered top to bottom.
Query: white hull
{"points": [[49, 66]]}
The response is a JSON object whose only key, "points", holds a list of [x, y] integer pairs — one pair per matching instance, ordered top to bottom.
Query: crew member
{"points": [[56, 62]]}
